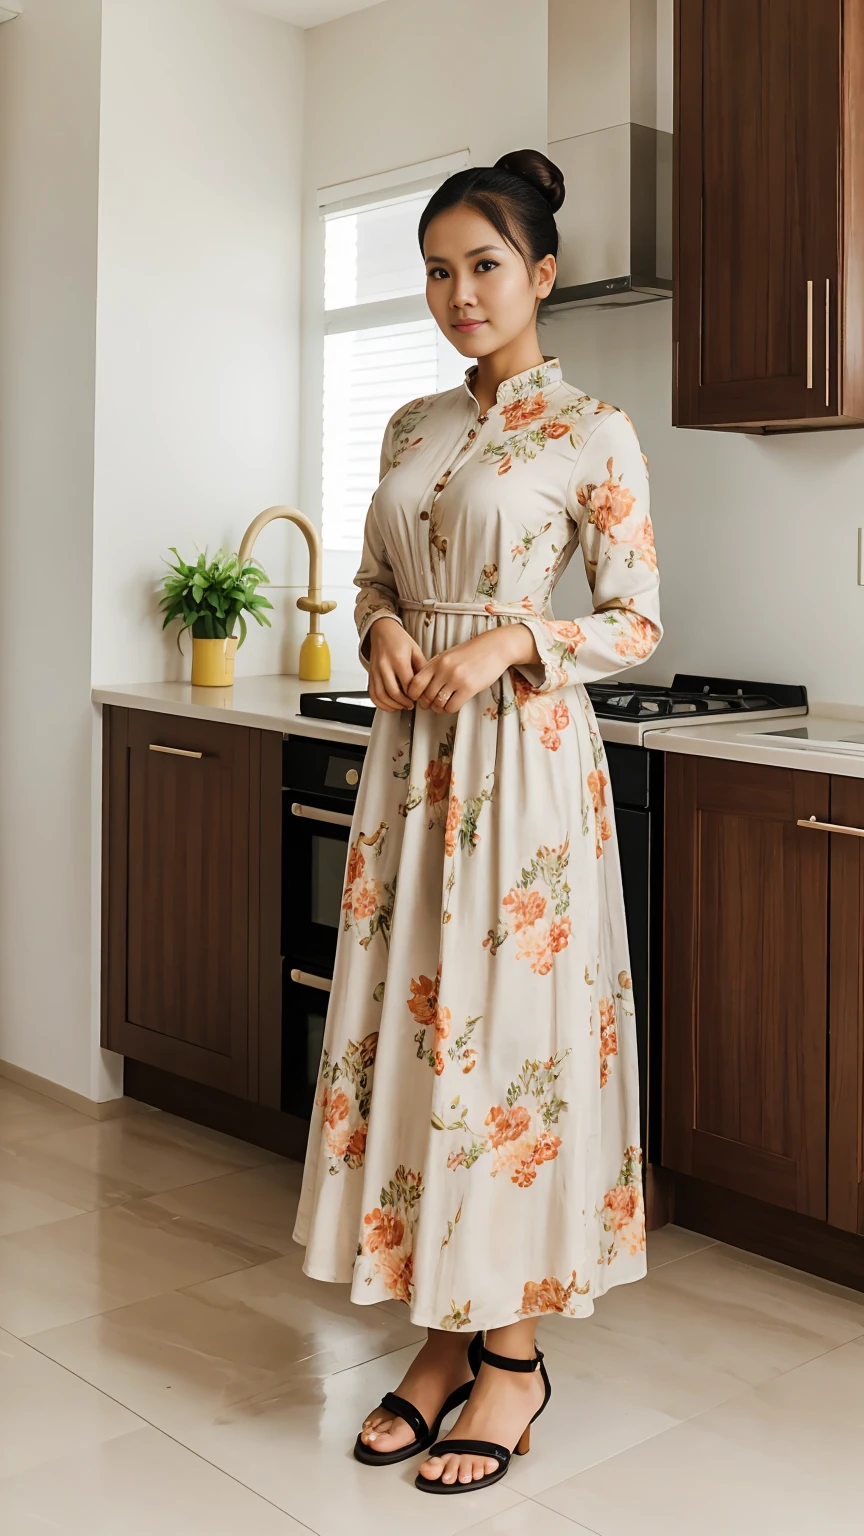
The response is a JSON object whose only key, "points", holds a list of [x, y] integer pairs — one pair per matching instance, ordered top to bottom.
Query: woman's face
{"points": [[473, 276]]}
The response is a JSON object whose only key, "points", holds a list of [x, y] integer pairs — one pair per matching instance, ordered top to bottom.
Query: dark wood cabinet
{"points": [[768, 307], [191, 899], [846, 1008], [745, 1042]]}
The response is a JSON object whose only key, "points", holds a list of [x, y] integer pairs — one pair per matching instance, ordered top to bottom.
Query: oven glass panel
{"points": [[329, 858]]}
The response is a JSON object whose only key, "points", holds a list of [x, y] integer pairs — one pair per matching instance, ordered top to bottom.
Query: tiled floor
{"points": [[165, 1367]]}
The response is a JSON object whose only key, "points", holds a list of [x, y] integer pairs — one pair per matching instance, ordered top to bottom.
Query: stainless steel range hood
{"points": [[610, 131]]}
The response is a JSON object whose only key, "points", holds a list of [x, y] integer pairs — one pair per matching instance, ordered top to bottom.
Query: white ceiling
{"points": [[307, 13]]}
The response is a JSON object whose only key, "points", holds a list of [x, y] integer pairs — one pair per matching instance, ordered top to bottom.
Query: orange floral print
{"points": [[521, 412], [607, 504], [641, 543], [639, 639], [437, 780], [597, 783], [366, 902], [538, 918], [428, 1012], [608, 1037], [344, 1096], [519, 1137], [623, 1211], [385, 1230], [387, 1242], [550, 1295]]}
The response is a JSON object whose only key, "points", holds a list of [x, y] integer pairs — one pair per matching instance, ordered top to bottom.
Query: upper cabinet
{"points": [[768, 205]]}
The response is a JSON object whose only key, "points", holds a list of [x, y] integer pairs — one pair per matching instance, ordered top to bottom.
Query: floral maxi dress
{"points": [[474, 1146]]}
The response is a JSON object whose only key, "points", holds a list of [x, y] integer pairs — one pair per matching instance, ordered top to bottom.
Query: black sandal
{"points": [[424, 1436], [488, 1448]]}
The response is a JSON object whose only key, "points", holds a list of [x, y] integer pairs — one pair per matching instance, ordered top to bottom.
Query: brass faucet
{"points": [[314, 652]]}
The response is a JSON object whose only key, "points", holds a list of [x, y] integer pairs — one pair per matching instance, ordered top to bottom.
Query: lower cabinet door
{"points": [[183, 978], [745, 1039], [846, 1095]]}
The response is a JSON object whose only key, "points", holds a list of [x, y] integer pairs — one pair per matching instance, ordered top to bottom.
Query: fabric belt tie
{"points": [[435, 605]]}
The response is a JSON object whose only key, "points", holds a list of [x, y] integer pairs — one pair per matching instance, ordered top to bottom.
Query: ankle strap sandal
{"points": [[423, 1435], [488, 1448]]}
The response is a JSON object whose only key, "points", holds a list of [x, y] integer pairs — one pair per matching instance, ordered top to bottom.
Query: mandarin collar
{"points": [[521, 386]]}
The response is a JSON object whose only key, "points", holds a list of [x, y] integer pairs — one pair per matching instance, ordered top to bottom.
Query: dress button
{"points": [[424, 517]]}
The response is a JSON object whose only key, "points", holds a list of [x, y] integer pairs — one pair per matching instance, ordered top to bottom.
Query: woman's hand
{"points": [[394, 658], [453, 677]]}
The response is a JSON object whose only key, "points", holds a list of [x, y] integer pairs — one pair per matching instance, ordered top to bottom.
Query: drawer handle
{"points": [[809, 334], [174, 751], [312, 813], [830, 826], [306, 979]]}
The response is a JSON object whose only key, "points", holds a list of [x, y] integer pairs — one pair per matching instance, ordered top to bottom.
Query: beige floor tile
{"points": [[24, 1114], [109, 1162], [258, 1205], [22, 1208], [669, 1243], [91, 1263], [695, 1332], [225, 1346], [47, 1412], [811, 1419], [583, 1424], [294, 1448], [720, 1473], [137, 1485], [528, 1519]]}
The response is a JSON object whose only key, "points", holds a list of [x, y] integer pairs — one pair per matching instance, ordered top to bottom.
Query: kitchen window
{"points": [[381, 347]]}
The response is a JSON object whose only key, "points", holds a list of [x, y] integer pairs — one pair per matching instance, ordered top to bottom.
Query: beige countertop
{"points": [[265, 703], [272, 704], [829, 723]]}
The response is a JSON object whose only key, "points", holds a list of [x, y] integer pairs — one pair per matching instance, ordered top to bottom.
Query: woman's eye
{"points": [[437, 272]]}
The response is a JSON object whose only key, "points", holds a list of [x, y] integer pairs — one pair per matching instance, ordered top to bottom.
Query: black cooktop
{"points": [[689, 694]]}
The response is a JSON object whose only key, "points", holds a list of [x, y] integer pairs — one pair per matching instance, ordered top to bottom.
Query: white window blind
{"points": [[381, 349]]}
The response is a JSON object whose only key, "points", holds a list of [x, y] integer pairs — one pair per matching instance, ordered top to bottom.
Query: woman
{"points": [[475, 1146]]}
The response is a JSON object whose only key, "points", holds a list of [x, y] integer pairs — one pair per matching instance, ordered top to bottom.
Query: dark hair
{"points": [[520, 195]]}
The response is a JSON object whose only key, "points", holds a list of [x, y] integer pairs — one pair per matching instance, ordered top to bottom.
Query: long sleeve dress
{"points": [[474, 1147]]}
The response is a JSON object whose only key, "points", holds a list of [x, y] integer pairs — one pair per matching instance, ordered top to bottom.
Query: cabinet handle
{"points": [[809, 333], [827, 341], [174, 751], [312, 813], [831, 826], [306, 979]]}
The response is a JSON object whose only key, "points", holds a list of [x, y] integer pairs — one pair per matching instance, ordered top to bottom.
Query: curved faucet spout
{"points": [[314, 604]]}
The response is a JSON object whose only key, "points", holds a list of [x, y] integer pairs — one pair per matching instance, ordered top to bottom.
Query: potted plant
{"points": [[211, 598]]}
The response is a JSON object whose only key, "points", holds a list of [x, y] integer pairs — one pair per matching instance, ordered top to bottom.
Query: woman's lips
{"points": [[468, 325]]}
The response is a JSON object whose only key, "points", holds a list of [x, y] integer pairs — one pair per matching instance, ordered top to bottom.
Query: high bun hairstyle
{"points": [[520, 195]]}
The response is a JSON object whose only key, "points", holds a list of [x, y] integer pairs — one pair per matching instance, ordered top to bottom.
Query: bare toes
{"points": [[432, 1468]]}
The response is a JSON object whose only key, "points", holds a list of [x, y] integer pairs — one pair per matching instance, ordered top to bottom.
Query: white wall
{"points": [[401, 83], [49, 138], [198, 310], [756, 537]]}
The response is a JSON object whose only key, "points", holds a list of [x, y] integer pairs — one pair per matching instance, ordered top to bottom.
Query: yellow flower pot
{"points": [[213, 662]]}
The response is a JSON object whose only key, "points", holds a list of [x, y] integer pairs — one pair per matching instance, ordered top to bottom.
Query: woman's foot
{"points": [[437, 1370], [499, 1409]]}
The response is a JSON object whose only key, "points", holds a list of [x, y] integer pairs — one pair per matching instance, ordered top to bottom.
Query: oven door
{"points": [[314, 858], [305, 997]]}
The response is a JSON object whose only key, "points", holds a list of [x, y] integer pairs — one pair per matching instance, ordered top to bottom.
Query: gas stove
{"points": [[624, 711]]}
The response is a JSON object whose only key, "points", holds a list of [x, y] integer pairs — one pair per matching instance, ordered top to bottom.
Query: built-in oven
{"points": [[319, 788]]}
